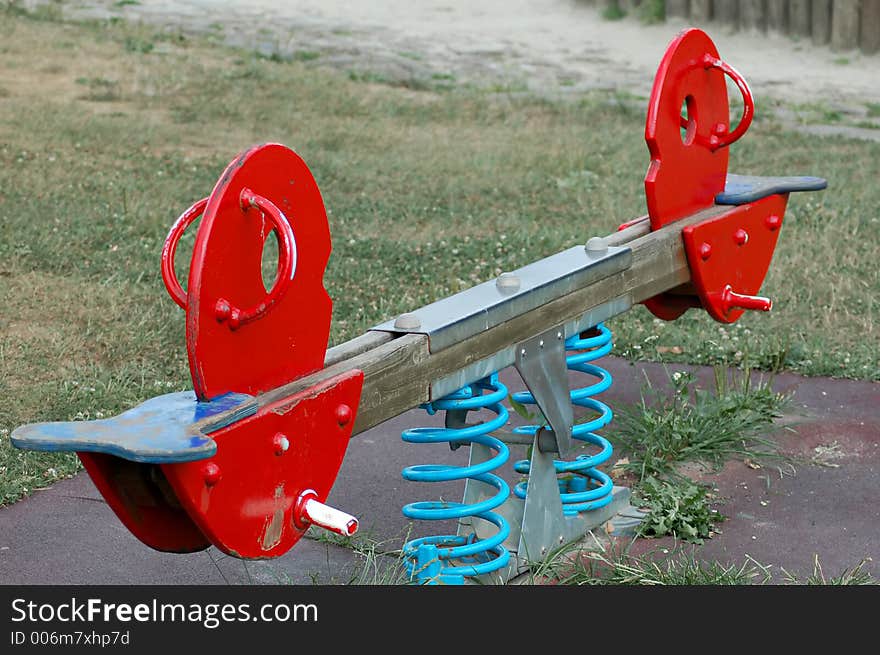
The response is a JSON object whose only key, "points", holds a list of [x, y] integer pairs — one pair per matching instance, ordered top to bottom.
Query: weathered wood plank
{"points": [[701, 11], [726, 12], [752, 15], [777, 16], [820, 19], [800, 22], [845, 25], [869, 38], [366, 341], [398, 372]]}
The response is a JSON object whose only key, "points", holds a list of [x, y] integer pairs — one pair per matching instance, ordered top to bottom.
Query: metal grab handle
{"points": [[718, 139], [172, 284], [223, 309], [235, 316]]}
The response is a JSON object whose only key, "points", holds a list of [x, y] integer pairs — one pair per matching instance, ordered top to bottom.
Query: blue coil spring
{"points": [[582, 486], [448, 558]]}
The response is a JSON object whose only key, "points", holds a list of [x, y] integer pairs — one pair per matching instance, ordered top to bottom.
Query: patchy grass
{"points": [[116, 129], [696, 425], [606, 565], [603, 568], [854, 576]]}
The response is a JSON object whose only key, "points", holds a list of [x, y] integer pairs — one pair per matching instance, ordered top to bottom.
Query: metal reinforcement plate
{"points": [[491, 303]]}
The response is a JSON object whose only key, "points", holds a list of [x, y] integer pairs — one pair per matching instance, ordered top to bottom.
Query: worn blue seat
{"points": [[741, 189], [158, 431]]}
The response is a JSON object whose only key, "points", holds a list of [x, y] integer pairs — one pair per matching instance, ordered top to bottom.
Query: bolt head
{"points": [[773, 222], [740, 237], [596, 245], [705, 251], [508, 282], [222, 310], [408, 321], [343, 414], [280, 444], [211, 474]]}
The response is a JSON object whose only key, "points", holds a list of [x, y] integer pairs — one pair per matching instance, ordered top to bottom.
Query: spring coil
{"points": [[583, 486], [429, 559]]}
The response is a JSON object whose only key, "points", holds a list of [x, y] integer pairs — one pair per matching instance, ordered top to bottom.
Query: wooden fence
{"points": [[841, 24]]}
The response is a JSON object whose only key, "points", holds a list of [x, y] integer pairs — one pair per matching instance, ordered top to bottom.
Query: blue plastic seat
{"points": [[741, 189], [158, 431]]}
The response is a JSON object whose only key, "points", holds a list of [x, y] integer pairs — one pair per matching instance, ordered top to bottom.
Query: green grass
{"points": [[613, 11], [652, 12], [473, 181], [696, 425], [604, 565], [850, 576]]}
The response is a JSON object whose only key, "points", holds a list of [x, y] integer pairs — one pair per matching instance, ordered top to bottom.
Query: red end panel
{"points": [[686, 174], [729, 256], [669, 306], [239, 336], [142, 499], [244, 499]]}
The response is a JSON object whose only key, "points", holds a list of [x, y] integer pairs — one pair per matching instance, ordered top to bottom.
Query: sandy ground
{"points": [[546, 45]]}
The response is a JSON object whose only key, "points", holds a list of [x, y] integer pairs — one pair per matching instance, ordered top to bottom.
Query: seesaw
{"points": [[246, 460]]}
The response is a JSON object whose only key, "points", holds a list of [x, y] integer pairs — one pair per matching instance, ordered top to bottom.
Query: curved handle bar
{"points": [[748, 102], [718, 139], [172, 284], [223, 309], [235, 316]]}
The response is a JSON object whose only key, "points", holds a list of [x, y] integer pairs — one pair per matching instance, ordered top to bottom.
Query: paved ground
{"points": [[824, 505]]}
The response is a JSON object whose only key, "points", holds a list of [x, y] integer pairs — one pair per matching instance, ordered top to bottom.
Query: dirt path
{"points": [[547, 45]]}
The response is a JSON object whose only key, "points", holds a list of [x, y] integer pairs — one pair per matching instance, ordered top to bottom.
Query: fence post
{"points": [[677, 8], [701, 10], [726, 12], [752, 15], [777, 16], [799, 19], [821, 21], [845, 25], [870, 26]]}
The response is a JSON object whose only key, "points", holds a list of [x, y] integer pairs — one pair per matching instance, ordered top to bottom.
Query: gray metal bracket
{"points": [[470, 312], [541, 364], [543, 524]]}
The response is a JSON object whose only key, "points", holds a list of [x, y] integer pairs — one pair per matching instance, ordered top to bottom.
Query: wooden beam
{"points": [[399, 370]]}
